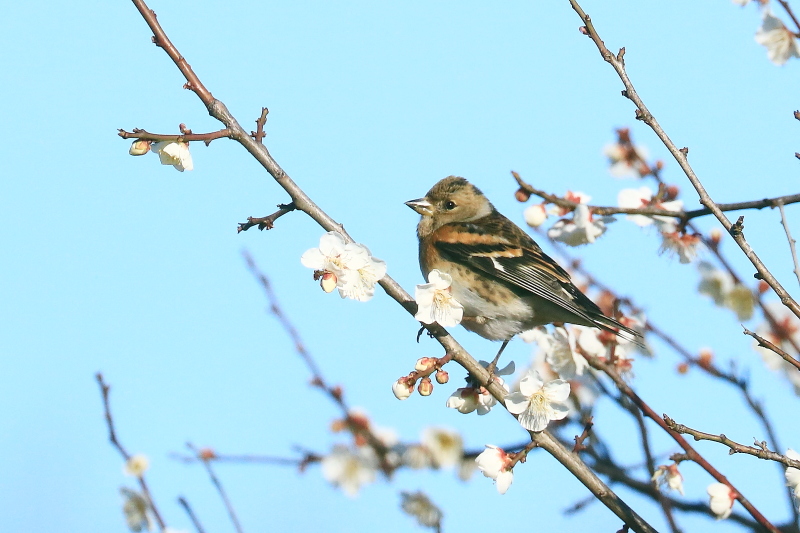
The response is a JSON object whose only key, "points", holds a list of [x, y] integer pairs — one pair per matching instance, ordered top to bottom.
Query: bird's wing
{"points": [[499, 249]]}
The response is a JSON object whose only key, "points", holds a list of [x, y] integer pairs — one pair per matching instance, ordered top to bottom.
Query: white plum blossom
{"points": [[780, 41], [174, 153], [626, 160], [643, 198], [535, 215], [583, 228], [684, 245], [354, 271], [435, 303], [560, 353], [475, 397], [537, 403], [445, 446], [493, 462], [136, 465], [348, 469], [793, 474], [669, 476], [721, 498], [418, 505], [137, 510]]}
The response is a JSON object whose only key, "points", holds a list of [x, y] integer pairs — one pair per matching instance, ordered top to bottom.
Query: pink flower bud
{"points": [[139, 147], [328, 281], [424, 364], [442, 377], [425, 387], [401, 389]]}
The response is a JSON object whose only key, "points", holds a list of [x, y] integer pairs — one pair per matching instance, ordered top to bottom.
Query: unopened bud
{"points": [[139, 147], [659, 165], [671, 192], [522, 195], [535, 215], [328, 281], [705, 357], [424, 364], [683, 368], [442, 377], [425, 387], [401, 389], [206, 454]]}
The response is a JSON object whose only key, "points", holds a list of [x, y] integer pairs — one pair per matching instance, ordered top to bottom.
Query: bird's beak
{"points": [[421, 206]]}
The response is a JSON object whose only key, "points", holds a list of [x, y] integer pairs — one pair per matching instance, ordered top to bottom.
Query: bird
{"points": [[502, 278]]}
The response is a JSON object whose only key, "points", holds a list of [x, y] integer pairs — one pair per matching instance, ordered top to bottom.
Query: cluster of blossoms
{"points": [[173, 153], [584, 227], [348, 267], [351, 467]]}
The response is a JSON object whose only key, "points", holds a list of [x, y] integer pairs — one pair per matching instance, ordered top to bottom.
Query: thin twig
{"points": [[259, 134], [184, 137], [683, 216], [267, 222], [792, 242], [770, 346], [112, 436], [762, 451], [220, 489], [185, 504]]}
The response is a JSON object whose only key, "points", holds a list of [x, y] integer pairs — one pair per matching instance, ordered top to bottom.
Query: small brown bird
{"points": [[504, 280]]}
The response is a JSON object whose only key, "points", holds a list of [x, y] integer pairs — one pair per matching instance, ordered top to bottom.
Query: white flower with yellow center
{"points": [[174, 153], [435, 303], [537, 402]]}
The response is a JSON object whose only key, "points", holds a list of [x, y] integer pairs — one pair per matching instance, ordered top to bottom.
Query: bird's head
{"points": [[453, 199]]}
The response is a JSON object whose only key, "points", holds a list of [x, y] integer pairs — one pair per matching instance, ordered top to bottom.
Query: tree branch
{"points": [[680, 155]]}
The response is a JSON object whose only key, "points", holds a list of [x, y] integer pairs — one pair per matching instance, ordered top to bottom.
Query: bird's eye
{"points": [[450, 205]]}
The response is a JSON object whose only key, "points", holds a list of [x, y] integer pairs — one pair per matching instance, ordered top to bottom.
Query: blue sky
{"points": [[121, 265]]}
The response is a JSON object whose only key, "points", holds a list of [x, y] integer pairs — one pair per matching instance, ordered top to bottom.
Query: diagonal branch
{"points": [[642, 113], [304, 203], [792, 242], [762, 451]]}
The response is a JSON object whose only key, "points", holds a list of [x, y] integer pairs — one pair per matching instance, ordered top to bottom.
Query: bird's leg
{"points": [[493, 364]]}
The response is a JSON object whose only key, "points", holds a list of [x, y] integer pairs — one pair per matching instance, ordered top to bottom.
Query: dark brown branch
{"points": [[161, 40], [259, 134], [184, 137], [683, 216], [267, 222], [768, 345], [112, 436], [762, 451], [220, 489], [190, 512]]}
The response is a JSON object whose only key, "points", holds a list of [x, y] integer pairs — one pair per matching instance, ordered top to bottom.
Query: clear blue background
{"points": [[121, 265]]}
